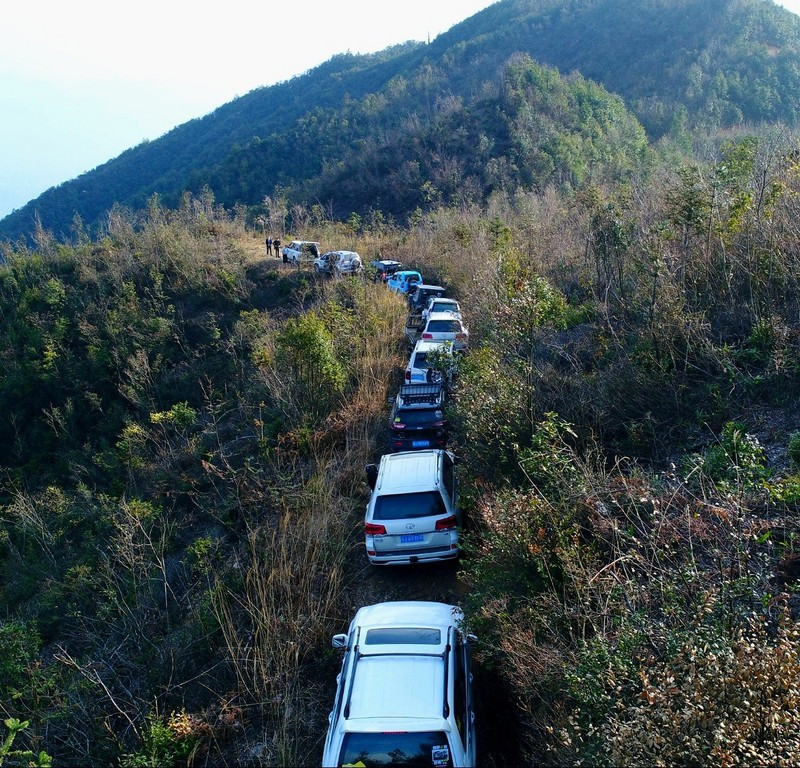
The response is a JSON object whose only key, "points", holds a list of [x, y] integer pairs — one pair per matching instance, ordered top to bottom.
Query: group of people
{"points": [[273, 246]]}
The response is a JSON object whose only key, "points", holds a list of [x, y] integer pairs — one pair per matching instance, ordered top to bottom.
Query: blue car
{"points": [[404, 280]]}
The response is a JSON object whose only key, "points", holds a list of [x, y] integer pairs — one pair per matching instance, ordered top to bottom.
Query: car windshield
{"points": [[444, 306], [443, 326], [418, 417], [404, 505], [403, 636], [374, 750]]}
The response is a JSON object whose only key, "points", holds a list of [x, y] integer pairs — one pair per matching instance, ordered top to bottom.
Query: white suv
{"points": [[300, 250], [338, 263], [441, 304], [445, 326], [419, 370], [412, 515], [404, 693]]}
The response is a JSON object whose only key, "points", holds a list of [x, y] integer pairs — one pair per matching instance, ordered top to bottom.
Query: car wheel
{"points": [[434, 377]]}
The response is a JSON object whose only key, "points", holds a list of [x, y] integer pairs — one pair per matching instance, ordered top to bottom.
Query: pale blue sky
{"points": [[82, 81]]}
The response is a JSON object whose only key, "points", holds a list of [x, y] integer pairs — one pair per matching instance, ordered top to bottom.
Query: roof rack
{"points": [[414, 394]]}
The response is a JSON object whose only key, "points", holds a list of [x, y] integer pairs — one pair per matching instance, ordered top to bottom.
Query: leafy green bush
{"points": [[312, 377], [793, 450], [736, 461], [19, 647], [713, 696], [165, 743], [20, 757]]}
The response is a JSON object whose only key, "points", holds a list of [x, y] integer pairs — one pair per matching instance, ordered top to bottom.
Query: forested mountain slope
{"points": [[692, 64]]}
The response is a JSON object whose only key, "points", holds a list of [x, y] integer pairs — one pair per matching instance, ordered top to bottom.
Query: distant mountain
{"points": [[465, 114]]}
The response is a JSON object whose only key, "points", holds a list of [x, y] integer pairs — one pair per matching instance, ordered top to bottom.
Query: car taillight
{"points": [[427, 335], [461, 336], [408, 375], [398, 426], [446, 523], [373, 529]]}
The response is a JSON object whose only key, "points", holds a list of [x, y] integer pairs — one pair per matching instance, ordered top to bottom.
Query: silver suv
{"points": [[412, 515], [404, 693]]}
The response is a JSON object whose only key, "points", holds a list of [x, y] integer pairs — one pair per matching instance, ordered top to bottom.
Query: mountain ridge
{"points": [[704, 65]]}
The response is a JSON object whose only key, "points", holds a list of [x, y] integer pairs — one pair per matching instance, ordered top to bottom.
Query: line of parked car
{"points": [[404, 692]]}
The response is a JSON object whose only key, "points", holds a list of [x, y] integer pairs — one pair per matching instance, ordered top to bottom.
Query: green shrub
{"points": [[793, 450], [736, 461], [19, 647], [716, 697], [165, 742], [20, 757]]}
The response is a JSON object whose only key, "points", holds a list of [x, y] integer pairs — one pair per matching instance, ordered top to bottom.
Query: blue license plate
{"points": [[420, 443], [410, 538]]}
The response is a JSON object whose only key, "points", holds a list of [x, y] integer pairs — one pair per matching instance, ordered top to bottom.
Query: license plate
{"points": [[420, 443], [410, 538]]}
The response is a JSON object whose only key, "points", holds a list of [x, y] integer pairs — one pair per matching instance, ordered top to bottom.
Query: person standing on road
{"points": [[276, 244], [269, 245]]}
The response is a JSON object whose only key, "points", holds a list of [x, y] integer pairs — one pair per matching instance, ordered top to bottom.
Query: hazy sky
{"points": [[82, 81]]}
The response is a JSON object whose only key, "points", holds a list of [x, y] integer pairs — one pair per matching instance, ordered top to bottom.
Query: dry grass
{"points": [[281, 600]]}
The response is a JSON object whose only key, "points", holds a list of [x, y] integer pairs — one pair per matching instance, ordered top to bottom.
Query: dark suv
{"points": [[419, 295], [418, 419]]}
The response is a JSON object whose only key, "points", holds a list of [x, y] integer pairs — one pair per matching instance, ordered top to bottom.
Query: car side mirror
{"points": [[391, 400], [372, 475], [339, 641]]}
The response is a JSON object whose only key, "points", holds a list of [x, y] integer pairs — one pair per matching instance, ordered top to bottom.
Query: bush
{"points": [[793, 450], [736, 462], [714, 697]]}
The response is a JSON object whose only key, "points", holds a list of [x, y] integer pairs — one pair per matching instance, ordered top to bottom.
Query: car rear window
{"points": [[443, 326], [420, 360], [418, 416], [402, 505], [403, 636], [429, 749]]}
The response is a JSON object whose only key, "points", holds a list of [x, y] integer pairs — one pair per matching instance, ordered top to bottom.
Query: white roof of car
{"points": [[443, 316], [426, 345], [408, 471], [407, 613], [401, 682], [398, 686]]}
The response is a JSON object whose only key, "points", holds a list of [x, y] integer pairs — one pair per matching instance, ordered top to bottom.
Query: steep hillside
{"points": [[699, 65], [184, 425]]}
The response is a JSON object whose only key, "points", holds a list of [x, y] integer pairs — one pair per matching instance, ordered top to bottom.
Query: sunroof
{"points": [[403, 636]]}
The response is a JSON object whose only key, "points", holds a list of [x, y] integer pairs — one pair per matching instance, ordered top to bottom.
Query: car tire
{"points": [[434, 377]]}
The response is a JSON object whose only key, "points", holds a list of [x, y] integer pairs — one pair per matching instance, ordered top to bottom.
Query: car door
{"points": [[449, 481], [470, 746]]}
